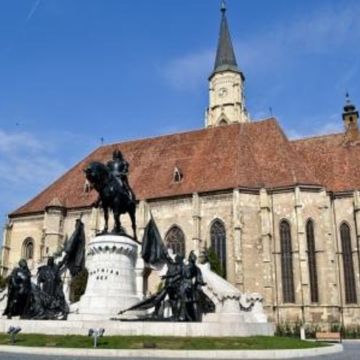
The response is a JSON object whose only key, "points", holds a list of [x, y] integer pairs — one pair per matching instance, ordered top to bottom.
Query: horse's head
{"points": [[96, 173]]}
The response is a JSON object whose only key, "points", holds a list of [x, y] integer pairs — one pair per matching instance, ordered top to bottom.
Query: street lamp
{"points": [[13, 331], [96, 333]]}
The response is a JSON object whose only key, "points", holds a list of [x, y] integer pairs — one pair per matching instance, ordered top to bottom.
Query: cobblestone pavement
{"points": [[351, 352]]}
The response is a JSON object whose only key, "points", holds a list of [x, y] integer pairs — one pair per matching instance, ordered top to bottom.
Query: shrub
{"points": [[289, 329], [351, 332]]}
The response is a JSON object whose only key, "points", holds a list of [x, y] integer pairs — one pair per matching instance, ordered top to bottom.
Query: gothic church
{"points": [[283, 216]]}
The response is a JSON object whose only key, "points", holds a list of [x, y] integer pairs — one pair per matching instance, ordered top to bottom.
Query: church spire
{"points": [[225, 55], [226, 83], [350, 115]]}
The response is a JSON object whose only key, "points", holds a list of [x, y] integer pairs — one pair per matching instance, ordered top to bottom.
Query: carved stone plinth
{"points": [[111, 285]]}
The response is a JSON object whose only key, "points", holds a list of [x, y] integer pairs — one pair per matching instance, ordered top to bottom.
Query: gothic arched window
{"points": [[310, 237], [175, 240], [218, 242], [28, 249], [287, 274], [349, 276]]}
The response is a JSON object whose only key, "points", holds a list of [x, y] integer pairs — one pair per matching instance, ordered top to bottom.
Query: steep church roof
{"points": [[225, 55], [240, 155], [248, 155], [333, 160]]}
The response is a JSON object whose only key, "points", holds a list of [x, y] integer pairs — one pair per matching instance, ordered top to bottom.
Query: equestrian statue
{"points": [[111, 183]]}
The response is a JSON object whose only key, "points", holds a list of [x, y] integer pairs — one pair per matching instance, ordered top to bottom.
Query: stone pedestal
{"points": [[111, 285], [231, 306], [141, 328]]}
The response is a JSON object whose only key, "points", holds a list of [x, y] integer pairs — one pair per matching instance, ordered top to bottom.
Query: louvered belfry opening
{"points": [[310, 237], [175, 240], [218, 242], [348, 264], [287, 273]]}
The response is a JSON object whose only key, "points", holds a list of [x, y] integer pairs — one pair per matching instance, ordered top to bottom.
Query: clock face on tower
{"points": [[222, 92]]}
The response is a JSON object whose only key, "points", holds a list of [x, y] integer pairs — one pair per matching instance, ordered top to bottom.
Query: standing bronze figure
{"points": [[182, 284], [19, 289], [45, 300]]}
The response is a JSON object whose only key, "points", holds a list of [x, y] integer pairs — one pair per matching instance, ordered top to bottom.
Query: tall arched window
{"points": [[310, 237], [175, 240], [218, 242], [28, 249], [287, 274], [349, 276]]}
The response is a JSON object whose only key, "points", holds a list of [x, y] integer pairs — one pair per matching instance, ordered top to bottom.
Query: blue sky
{"points": [[73, 71]]}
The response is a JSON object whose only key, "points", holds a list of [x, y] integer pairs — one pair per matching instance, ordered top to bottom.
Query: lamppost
{"points": [[13, 331], [96, 333]]}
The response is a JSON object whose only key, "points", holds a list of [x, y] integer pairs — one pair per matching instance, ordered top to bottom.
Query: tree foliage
{"points": [[214, 261], [3, 282]]}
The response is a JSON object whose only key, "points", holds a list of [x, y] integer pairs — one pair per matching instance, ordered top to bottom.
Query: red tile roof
{"points": [[249, 155], [333, 160]]}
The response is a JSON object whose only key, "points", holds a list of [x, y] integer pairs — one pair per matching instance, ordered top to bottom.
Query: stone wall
{"points": [[251, 220]]}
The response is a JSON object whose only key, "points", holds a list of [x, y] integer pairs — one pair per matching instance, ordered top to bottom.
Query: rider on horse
{"points": [[120, 169]]}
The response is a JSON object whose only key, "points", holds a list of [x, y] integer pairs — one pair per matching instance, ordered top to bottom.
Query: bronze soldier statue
{"points": [[120, 169], [49, 279], [19, 288], [190, 291]]}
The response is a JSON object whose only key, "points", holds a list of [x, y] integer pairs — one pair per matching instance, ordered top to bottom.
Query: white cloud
{"points": [[33, 10], [319, 32], [186, 72], [332, 125], [13, 142], [26, 160], [30, 162]]}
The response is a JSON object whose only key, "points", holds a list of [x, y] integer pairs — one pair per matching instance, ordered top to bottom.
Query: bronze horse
{"points": [[112, 195]]}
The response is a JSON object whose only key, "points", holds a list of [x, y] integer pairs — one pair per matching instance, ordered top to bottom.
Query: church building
{"points": [[282, 215]]}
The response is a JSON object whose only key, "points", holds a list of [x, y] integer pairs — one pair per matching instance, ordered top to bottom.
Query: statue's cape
{"points": [[153, 249], [75, 250]]}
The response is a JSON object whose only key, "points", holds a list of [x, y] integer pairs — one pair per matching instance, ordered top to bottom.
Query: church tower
{"points": [[226, 83], [350, 115]]}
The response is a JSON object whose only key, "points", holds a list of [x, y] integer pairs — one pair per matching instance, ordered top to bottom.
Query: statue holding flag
{"points": [[182, 282]]}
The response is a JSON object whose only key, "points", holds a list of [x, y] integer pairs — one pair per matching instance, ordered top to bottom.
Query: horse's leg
{"points": [[132, 213], [106, 217], [117, 223]]}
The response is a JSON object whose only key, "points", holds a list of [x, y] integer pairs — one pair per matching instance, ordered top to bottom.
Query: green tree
{"points": [[214, 261], [3, 282]]}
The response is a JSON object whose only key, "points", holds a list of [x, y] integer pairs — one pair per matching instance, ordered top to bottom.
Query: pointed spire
{"points": [[223, 6], [225, 55], [349, 106], [350, 116]]}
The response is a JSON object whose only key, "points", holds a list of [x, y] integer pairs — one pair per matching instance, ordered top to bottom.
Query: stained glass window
{"points": [[310, 237], [175, 240], [218, 242], [348, 264], [287, 274]]}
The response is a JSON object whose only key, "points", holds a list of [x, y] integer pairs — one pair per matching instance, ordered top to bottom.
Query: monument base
{"points": [[111, 285], [140, 328]]}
